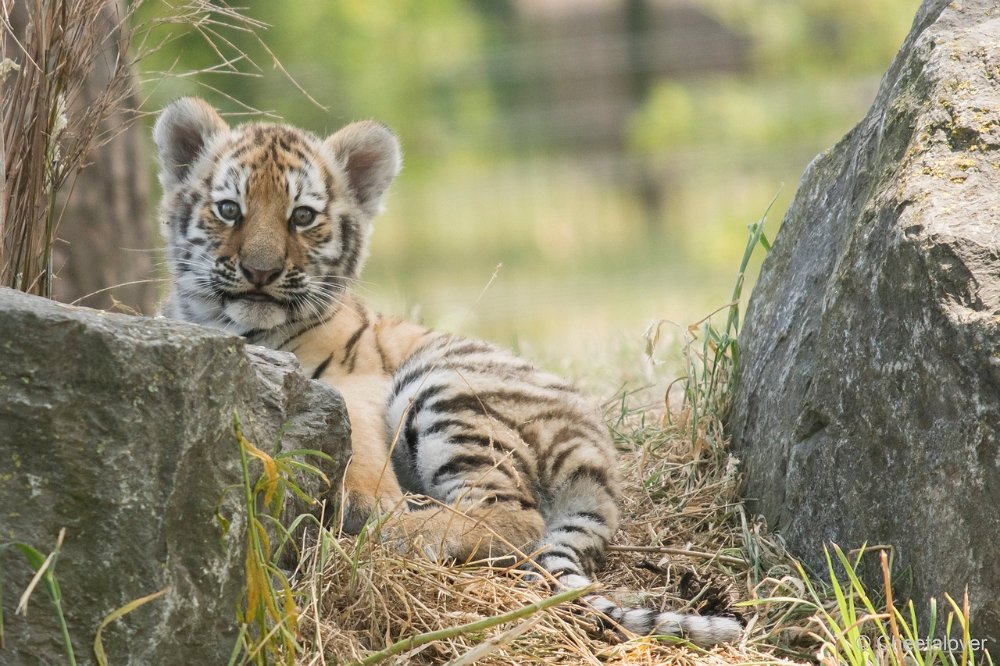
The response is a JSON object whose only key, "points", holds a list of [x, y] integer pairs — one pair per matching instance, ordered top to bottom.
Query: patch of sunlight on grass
{"points": [[581, 277]]}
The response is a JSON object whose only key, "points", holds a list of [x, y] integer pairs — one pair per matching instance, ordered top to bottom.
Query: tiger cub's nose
{"points": [[260, 277]]}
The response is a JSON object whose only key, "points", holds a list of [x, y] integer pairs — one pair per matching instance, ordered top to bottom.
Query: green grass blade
{"points": [[304, 453], [44, 567], [859, 590], [848, 635]]}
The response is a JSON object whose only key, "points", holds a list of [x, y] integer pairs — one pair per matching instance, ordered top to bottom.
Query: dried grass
{"points": [[55, 49], [685, 544]]}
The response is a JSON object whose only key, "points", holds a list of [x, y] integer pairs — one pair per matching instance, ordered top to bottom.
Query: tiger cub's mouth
{"points": [[257, 296], [256, 310]]}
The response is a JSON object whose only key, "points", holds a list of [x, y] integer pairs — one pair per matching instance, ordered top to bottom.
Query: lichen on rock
{"points": [[869, 395], [120, 430]]}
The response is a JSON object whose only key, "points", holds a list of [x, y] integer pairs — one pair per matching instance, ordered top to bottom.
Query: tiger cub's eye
{"points": [[228, 210], [303, 216]]}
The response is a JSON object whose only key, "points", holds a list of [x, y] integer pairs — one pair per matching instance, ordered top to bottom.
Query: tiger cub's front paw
{"points": [[360, 509]]}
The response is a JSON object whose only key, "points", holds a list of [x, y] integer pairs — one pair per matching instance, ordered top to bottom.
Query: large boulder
{"points": [[868, 400], [120, 430]]}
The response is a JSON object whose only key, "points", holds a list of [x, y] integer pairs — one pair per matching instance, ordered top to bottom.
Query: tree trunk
{"points": [[105, 236]]}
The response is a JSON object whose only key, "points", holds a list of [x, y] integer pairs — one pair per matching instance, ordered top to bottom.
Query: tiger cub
{"points": [[267, 227]]}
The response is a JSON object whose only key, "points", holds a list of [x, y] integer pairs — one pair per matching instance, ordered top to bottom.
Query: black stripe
{"points": [[328, 186], [184, 212], [346, 229], [349, 239], [318, 322], [468, 347], [350, 349], [380, 350], [321, 368], [494, 370], [407, 377], [516, 395], [470, 403], [564, 412], [571, 415], [441, 425], [409, 429], [567, 433], [476, 440], [563, 442], [515, 453], [559, 460], [462, 462], [598, 474], [590, 515], [571, 529], [569, 551], [565, 553], [648, 620]]}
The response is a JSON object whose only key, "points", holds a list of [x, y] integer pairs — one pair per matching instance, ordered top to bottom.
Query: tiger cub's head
{"points": [[266, 224]]}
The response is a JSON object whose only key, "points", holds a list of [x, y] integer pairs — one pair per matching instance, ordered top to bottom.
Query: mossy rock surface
{"points": [[868, 403], [120, 430]]}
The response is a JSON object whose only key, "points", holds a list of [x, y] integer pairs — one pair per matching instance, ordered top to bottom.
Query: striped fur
{"points": [[267, 227]]}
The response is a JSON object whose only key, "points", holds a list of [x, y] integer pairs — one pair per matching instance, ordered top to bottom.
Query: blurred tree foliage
{"points": [[818, 37], [797, 48], [404, 62], [427, 69], [498, 118]]}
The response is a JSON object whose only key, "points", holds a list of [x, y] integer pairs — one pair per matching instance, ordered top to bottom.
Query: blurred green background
{"points": [[608, 153]]}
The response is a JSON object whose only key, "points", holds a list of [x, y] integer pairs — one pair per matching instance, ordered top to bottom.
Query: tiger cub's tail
{"points": [[581, 518], [702, 630]]}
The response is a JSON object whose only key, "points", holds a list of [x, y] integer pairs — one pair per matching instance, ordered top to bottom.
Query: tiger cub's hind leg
{"points": [[467, 532]]}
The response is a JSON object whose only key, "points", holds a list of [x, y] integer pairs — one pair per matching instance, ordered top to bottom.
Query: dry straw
{"points": [[49, 49], [684, 545]]}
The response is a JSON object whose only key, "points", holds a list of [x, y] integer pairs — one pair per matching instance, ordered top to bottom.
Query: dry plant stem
{"points": [[55, 44], [667, 550], [22, 605], [480, 625], [897, 645], [99, 653]]}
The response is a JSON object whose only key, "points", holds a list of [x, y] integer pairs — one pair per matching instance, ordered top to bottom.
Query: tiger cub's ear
{"points": [[180, 134], [369, 153]]}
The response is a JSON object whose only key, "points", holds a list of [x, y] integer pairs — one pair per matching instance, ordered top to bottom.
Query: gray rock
{"points": [[869, 398], [119, 429]]}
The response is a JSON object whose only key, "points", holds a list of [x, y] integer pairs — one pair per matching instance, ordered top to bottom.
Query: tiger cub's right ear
{"points": [[180, 134]]}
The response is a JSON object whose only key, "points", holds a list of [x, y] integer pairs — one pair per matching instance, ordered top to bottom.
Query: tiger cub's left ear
{"points": [[180, 135], [369, 153]]}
